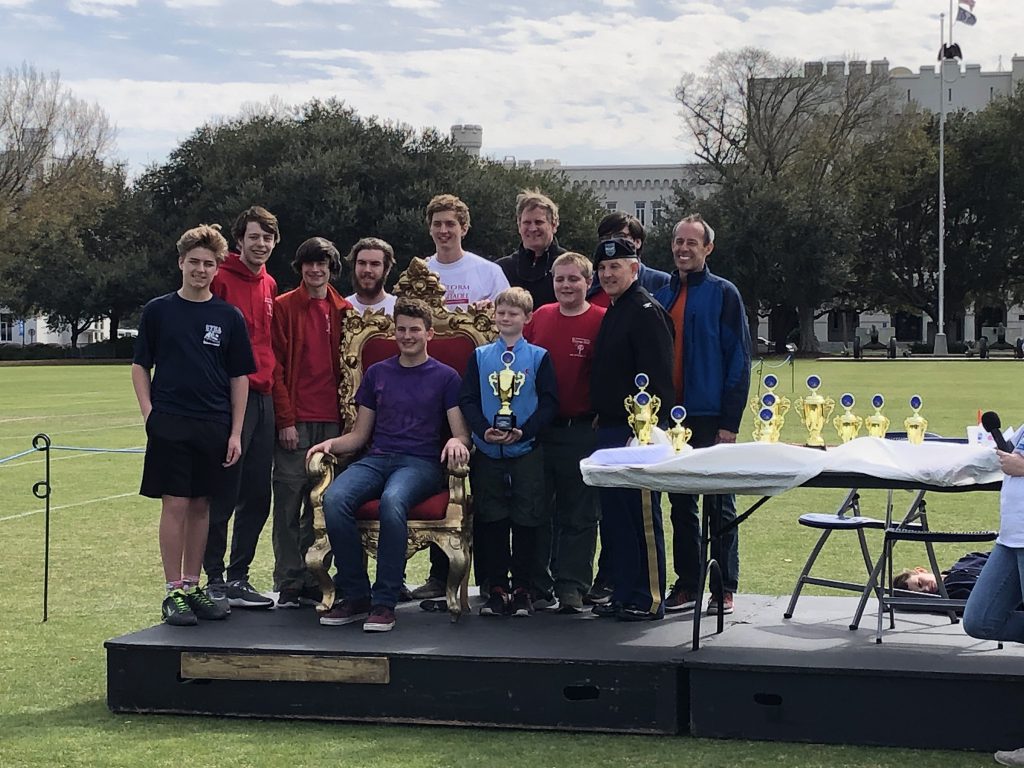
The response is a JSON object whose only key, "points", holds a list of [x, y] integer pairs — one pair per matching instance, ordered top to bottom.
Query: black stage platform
{"points": [[806, 679]]}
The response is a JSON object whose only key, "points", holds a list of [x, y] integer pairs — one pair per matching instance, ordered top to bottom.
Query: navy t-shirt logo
{"points": [[212, 336]]}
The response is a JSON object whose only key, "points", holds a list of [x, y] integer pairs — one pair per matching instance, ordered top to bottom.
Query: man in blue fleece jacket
{"points": [[711, 376]]}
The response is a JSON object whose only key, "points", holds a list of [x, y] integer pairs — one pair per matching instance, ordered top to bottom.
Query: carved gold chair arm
{"points": [[321, 469]]}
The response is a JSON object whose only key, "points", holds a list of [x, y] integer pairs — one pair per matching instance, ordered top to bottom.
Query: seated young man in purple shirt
{"points": [[403, 404]]}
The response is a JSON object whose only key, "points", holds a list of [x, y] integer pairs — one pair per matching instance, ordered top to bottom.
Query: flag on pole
{"points": [[968, 3], [965, 16]]}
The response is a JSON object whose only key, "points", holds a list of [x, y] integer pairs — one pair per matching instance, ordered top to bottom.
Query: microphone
{"points": [[990, 423]]}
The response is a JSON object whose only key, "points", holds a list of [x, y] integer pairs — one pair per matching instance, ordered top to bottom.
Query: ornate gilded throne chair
{"points": [[444, 519]]}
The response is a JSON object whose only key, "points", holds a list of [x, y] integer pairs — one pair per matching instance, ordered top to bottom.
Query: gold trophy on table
{"points": [[506, 384], [643, 410], [814, 411], [848, 423], [877, 423], [915, 423], [766, 425], [768, 430], [677, 433]]}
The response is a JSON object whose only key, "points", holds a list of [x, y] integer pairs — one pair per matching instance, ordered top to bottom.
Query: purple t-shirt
{"points": [[411, 404]]}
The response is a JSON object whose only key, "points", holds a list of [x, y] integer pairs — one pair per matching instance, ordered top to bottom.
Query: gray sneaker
{"points": [[432, 589], [217, 591], [241, 594], [569, 602], [203, 607], [1013, 758]]}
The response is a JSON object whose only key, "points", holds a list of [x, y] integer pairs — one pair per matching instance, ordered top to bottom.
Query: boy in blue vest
{"points": [[507, 468]]}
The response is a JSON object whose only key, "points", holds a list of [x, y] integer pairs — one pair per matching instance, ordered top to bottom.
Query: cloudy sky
{"points": [[585, 82]]}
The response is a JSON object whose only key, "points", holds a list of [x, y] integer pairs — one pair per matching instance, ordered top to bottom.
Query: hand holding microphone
{"points": [[990, 423], [1010, 463]]}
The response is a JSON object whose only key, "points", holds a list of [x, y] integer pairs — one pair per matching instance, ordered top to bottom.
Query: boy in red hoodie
{"points": [[244, 282]]}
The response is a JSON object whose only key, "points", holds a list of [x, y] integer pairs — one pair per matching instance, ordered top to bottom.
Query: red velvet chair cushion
{"points": [[450, 350], [431, 509]]}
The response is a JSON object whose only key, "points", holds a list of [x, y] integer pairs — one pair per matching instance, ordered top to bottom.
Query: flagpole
{"points": [[951, 17], [941, 347]]}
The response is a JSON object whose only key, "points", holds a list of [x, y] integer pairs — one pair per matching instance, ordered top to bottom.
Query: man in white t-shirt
{"points": [[371, 260], [467, 278]]}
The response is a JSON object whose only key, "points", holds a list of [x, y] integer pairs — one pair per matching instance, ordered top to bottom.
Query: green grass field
{"points": [[106, 581]]}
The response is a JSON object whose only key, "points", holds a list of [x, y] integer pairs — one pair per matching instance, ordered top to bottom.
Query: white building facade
{"points": [[37, 330]]}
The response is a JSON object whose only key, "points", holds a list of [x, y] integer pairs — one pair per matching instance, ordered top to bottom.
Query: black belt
{"points": [[569, 421]]}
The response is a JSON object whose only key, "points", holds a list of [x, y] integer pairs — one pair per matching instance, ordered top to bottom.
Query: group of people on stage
{"points": [[239, 387]]}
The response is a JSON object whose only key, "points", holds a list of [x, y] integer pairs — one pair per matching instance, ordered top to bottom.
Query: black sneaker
{"points": [[241, 594], [310, 595], [598, 595], [288, 598], [497, 603], [522, 605], [203, 607], [176, 610], [606, 610], [635, 613]]}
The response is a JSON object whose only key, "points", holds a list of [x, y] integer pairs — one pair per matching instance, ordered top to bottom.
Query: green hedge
{"points": [[104, 350]]}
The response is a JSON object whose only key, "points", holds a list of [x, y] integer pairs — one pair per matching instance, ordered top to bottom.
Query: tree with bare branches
{"points": [[46, 133], [784, 148]]}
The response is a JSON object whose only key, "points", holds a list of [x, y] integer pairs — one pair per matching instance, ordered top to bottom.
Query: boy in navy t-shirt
{"points": [[193, 407]]}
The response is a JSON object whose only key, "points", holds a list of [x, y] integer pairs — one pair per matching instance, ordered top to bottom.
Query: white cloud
{"points": [[15, 3], [291, 3], [185, 4], [415, 5], [107, 9], [36, 21], [572, 87]]}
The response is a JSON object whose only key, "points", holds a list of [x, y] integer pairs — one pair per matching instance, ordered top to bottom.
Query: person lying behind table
{"points": [[401, 467], [959, 579]]}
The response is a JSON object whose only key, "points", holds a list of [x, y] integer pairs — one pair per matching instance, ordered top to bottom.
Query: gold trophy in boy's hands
{"points": [[506, 384]]}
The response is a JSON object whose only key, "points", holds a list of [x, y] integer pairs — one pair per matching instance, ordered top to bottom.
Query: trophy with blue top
{"points": [[506, 384]]}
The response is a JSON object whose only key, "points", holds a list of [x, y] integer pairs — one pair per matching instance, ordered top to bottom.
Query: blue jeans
{"points": [[400, 482], [686, 520], [686, 539], [992, 611]]}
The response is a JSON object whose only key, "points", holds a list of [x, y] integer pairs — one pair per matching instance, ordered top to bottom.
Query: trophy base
{"points": [[504, 422], [820, 446]]}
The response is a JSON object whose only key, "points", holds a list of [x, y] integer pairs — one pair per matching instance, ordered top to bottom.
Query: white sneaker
{"points": [[1014, 758]]}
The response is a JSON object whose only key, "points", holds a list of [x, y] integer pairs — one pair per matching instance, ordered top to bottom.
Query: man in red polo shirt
{"points": [[306, 334]]}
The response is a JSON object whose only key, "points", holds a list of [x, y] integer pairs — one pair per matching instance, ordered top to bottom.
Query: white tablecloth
{"points": [[767, 469]]}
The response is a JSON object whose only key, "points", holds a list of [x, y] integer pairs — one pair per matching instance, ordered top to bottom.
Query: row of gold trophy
{"points": [[770, 415], [642, 416]]}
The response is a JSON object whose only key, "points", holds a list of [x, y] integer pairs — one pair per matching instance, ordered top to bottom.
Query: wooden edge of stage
{"points": [[371, 670]]}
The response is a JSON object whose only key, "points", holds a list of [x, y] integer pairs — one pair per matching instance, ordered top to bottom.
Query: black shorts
{"points": [[184, 456]]}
